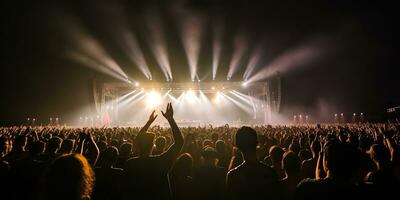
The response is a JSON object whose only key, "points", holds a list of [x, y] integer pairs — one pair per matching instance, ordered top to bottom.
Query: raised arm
{"points": [[144, 129], [173, 150], [94, 151]]}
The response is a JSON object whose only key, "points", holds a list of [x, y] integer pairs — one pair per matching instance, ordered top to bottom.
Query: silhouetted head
{"points": [[246, 139], [20, 142], [160, 143], [207, 143], [54, 144], [145, 144], [102, 145], [4, 146], [67, 146], [220, 146], [294, 147], [37, 148], [125, 150], [209, 154], [276, 154], [379, 154], [110, 156], [340, 160], [291, 163], [183, 164], [69, 177]]}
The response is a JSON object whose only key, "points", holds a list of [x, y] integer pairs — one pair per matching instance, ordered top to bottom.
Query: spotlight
{"points": [[136, 84], [244, 84], [212, 88], [190, 96], [217, 98], [153, 99], [335, 114], [341, 114], [354, 114], [361, 114], [295, 117]]}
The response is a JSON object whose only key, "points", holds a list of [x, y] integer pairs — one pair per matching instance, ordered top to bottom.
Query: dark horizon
{"points": [[353, 72]]}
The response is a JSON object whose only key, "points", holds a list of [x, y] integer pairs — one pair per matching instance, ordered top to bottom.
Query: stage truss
{"points": [[268, 93]]}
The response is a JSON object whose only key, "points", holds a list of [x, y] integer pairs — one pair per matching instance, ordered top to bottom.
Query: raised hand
{"points": [[169, 112], [152, 117]]}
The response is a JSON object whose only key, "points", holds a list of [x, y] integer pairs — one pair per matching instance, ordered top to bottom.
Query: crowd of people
{"points": [[264, 162]]}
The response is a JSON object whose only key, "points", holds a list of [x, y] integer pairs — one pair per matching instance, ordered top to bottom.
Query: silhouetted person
{"points": [[159, 145], [53, 146], [67, 146], [18, 151], [125, 152], [222, 154], [276, 155], [340, 162], [291, 165], [308, 166], [4, 169], [28, 171], [147, 175], [384, 176], [69, 177], [108, 178], [181, 178], [209, 178], [251, 179]]}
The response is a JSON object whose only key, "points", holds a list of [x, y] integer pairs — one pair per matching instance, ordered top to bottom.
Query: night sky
{"points": [[355, 72]]}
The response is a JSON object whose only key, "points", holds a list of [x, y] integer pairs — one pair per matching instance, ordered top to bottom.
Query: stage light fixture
{"points": [[136, 84], [244, 84]]}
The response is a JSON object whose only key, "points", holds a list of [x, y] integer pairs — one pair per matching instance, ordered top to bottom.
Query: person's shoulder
{"points": [[131, 161], [4, 165], [265, 167], [117, 169], [235, 170], [309, 182]]}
